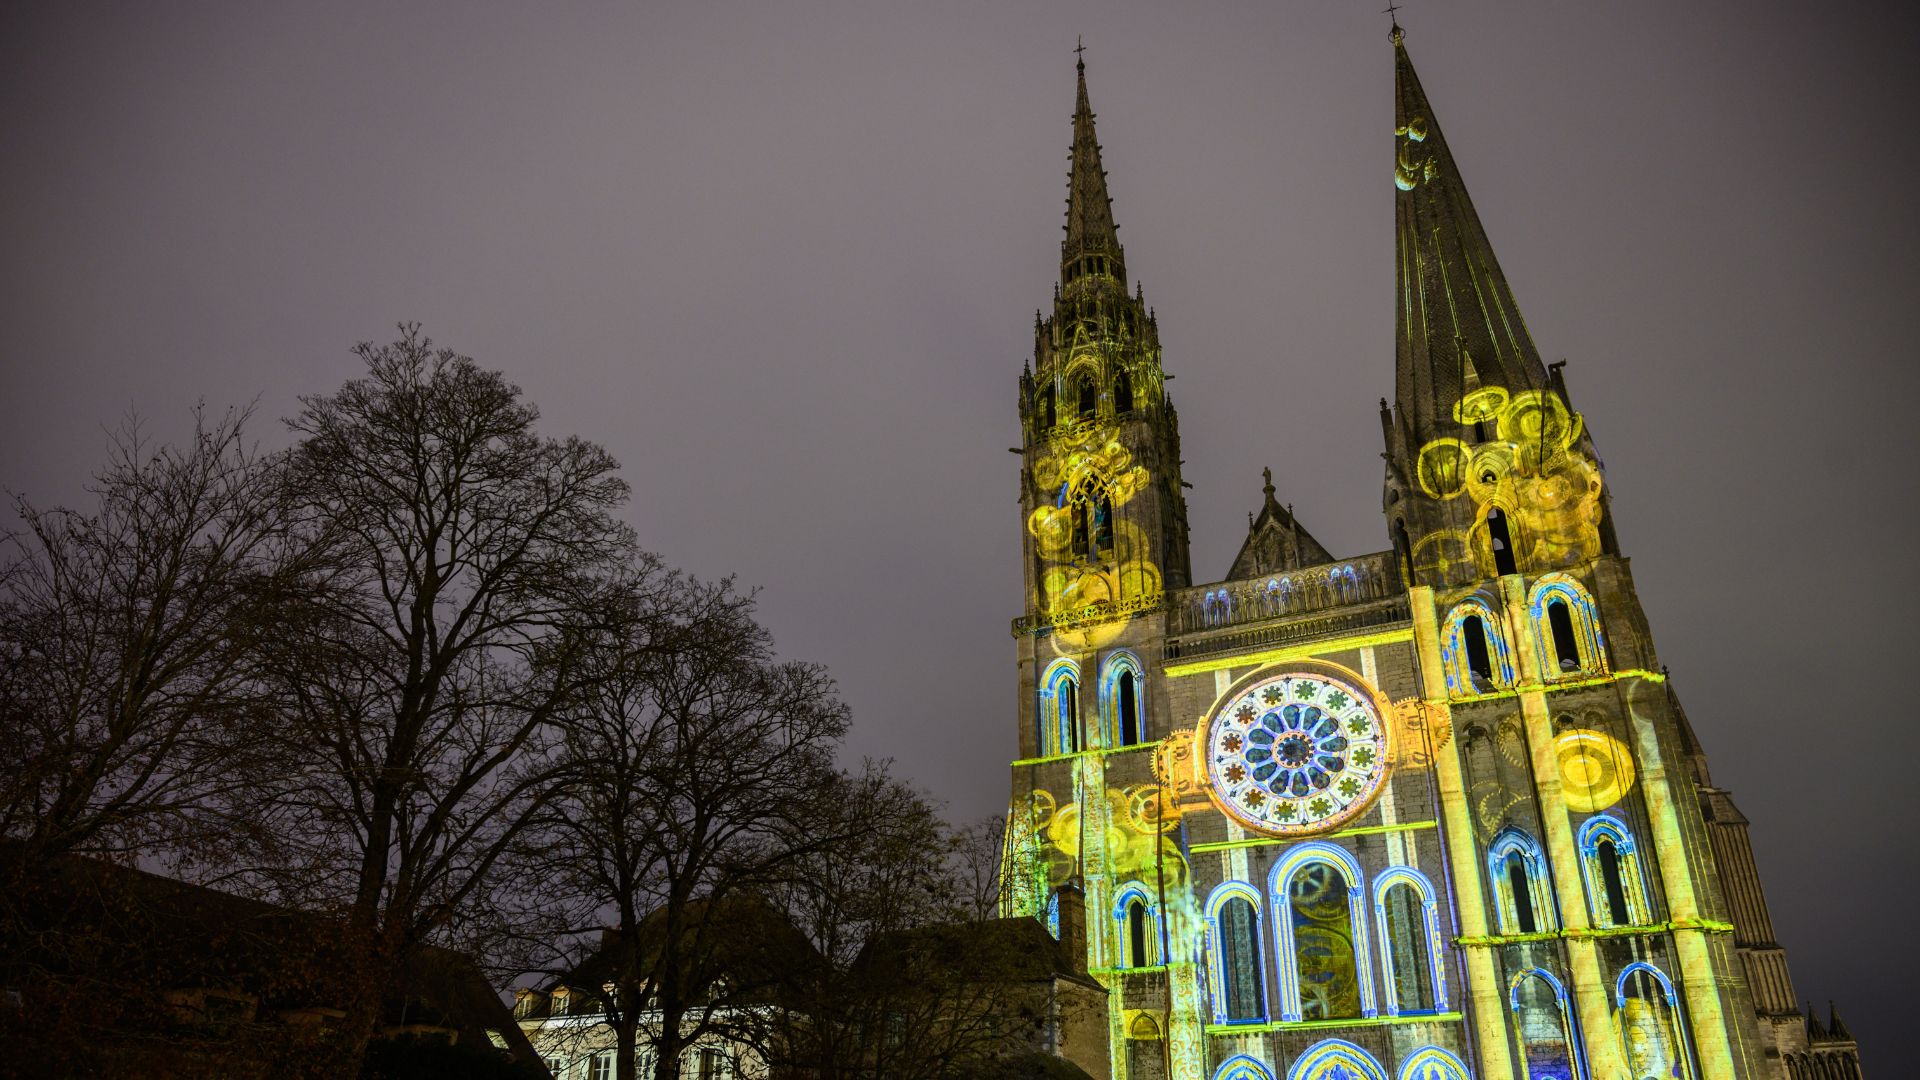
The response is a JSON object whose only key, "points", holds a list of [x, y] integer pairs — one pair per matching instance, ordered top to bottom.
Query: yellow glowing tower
{"points": [[1428, 813]]}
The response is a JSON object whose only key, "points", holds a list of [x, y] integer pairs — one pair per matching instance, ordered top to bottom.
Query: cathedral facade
{"points": [[1427, 813]]}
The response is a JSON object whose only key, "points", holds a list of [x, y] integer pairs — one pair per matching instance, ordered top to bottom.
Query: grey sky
{"points": [[782, 259]]}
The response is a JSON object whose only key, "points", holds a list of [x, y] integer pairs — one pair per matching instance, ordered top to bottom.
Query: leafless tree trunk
{"points": [[468, 560]]}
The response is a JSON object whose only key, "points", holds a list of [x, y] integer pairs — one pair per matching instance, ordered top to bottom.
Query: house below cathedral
{"points": [[1430, 812]]}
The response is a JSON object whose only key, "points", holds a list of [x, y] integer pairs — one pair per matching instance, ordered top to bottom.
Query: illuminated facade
{"points": [[1423, 814]]}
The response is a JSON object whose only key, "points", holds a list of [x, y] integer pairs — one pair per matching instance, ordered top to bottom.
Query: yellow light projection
{"points": [[1529, 469], [1095, 562], [1596, 770], [1139, 817]]}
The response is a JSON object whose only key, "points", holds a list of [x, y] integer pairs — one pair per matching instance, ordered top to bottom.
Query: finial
{"points": [[1392, 12], [1079, 48]]}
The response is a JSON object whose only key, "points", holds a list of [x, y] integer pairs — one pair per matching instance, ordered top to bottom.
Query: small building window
{"points": [[1122, 394], [1088, 397], [1046, 407], [1501, 541], [1560, 623], [1479, 658], [1129, 711], [1518, 869], [1612, 871], [1616, 891], [1522, 892], [1137, 934], [1240, 960]]}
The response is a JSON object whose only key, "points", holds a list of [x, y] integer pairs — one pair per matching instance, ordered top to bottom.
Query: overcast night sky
{"points": [[783, 259]]}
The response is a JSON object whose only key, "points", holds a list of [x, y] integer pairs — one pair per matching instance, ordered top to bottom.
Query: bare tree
{"points": [[467, 562], [127, 640], [700, 777]]}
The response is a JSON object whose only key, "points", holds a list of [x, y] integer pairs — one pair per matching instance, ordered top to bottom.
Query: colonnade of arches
{"points": [[1477, 646], [1120, 717]]}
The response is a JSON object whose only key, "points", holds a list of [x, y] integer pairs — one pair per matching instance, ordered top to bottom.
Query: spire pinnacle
{"points": [[1090, 228], [1452, 300]]}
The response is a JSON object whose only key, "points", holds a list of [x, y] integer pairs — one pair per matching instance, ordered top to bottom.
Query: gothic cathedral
{"points": [[1429, 813]]}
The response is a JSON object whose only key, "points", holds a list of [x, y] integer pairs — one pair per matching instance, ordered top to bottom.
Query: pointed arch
{"points": [[1122, 394], [1566, 628], [1473, 649], [1058, 716], [1123, 719], [1610, 865], [1518, 870], [1137, 927], [1327, 939], [1410, 942], [1236, 966], [1543, 1024], [1653, 1032], [1335, 1059], [1434, 1063], [1243, 1067]]}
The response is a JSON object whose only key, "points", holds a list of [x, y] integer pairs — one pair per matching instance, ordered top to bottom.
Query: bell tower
{"points": [[1105, 521]]}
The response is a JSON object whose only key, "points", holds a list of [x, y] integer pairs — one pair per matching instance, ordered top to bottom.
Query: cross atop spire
{"points": [[1090, 228]]}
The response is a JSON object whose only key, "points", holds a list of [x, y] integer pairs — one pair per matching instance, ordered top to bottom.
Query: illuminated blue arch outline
{"points": [[1588, 639], [1453, 646], [1122, 660], [1055, 734], [1514, 839], [1296, 857], [1632, 877], [1430, 909], [1155, 940], [1216, 952], [1569, 1027], [1682, 1041], [1329, 1051], [1428, 1058], [1243, 1067]]}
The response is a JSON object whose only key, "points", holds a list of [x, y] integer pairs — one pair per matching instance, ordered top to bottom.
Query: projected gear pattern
{"points": [[1297, 753]]}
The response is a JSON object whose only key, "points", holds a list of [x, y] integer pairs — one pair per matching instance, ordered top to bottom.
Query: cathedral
{"points": [[1427, 813]]}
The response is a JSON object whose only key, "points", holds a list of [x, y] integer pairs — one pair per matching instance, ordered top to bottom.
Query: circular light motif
{"points": [[1297, 753], [1596, 769]]}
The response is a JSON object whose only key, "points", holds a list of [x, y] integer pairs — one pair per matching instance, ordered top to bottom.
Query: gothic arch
{"points": [[1577, 618], [1459, 658], [1116, 699], [1058, 715], [1626, 875], [1526, 897], [1428, 939], [1140, 942], [1222, 954], [1286, 957], [1336, 1059], [1434, 1063], [1242, 1067]]}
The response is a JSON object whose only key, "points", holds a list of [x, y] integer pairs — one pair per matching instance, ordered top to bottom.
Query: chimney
{"points": [[1073, 925]]}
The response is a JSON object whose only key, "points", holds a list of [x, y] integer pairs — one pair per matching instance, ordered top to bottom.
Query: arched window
{"points": [[1122, 394], [1087, 396], [1046, 407], [1101, 508], [1501, 542], [1403, 548], [1566, 627], [1560, 628], [1473, 649], [1479, 657], [1120, 687], [1060, 710], [1518, 870], [1616, 893], [1319, 906], [1053, 914], [1136, 927], [1324, 953], [1410, 956], [1235, 969], [1544, 1027], [1651, 1028], [1335, 1059]]}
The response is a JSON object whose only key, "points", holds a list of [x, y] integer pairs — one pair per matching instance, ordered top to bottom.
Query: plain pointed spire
{"points": [[1090, 228], [1457, 326]]}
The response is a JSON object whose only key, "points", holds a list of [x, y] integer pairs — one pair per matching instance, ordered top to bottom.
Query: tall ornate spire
{"points": [[1090, 228], [1457, 326]]}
